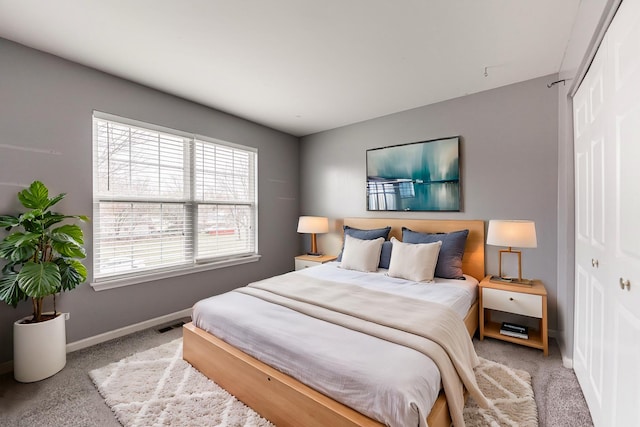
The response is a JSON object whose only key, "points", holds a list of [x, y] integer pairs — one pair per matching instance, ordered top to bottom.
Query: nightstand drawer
{"points": [[306, 261], [300, 264], [512, 302]]}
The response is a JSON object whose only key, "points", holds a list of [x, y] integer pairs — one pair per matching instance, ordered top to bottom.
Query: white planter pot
{"points": [[39, 349]]}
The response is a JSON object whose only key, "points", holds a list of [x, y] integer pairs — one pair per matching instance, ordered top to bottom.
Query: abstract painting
{"points": [[420, 176]]}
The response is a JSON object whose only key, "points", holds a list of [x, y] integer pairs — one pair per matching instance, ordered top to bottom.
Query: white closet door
{"points": [[623, 44], [590, 105], [607, 168]]}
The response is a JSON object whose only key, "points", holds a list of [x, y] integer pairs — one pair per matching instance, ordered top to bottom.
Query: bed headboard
{"points": [[473, 259]]}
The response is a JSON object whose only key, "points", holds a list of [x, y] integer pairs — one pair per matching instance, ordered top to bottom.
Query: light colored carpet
{"points": [[156, 388]]}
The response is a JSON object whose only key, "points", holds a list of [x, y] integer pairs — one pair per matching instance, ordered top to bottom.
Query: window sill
{"points": [[106, 284]]}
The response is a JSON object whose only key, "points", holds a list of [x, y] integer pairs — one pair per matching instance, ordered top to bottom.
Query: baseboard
{"points": [[117, 333], [567, 357], [567, 362], [7, 367]]}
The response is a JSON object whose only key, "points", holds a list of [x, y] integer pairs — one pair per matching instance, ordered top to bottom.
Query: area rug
{"points": [[157, 388], [511, 394]]}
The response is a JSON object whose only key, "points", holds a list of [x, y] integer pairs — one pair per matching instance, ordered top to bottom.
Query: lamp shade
{"points": [[313, 224], [512, 233]]}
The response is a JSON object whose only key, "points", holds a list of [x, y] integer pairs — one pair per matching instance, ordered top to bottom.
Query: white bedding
{"points": [[455, 294], [387, 382]]}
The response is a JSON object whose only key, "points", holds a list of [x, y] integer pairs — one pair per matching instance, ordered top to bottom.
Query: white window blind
{"points": [[166, 200]]}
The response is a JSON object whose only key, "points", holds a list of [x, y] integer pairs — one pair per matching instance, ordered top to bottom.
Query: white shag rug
{"points": [[157, 388], [511, 394]]}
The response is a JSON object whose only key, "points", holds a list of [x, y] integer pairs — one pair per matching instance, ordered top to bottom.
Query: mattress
{"points": [[387, 382]]}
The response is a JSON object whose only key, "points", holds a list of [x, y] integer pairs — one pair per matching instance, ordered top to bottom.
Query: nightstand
{"points": [[306, 261], [517, 299]]}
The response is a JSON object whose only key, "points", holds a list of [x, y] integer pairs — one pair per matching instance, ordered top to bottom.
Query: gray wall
{"points": [[46, 104], [508, 159]]}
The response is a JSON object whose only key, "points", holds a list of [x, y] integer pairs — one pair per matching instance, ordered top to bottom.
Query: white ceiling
{"points": [[303, 66]]}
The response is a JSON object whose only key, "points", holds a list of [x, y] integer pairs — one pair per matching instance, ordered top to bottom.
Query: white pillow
{"points": [[361, 255], [414, 261]]}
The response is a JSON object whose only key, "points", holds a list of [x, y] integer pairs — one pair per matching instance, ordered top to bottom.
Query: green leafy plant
{"points": [[41, 260]]}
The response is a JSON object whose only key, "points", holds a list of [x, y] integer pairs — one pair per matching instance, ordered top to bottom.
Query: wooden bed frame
{"points": [[287, 402]]}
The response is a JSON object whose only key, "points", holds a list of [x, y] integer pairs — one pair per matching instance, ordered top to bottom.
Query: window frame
{"points": [[191, 203]]}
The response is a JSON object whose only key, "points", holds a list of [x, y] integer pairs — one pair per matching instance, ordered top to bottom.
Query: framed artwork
{"points": [[420, 176]]}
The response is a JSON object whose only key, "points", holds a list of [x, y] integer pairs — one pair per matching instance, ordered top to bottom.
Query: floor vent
{"points": [[170, 327]]}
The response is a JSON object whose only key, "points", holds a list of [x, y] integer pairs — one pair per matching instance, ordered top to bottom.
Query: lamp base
{"points": [[314, 254], [512, 280]]}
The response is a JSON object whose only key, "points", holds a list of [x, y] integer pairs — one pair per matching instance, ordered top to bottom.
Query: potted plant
{"points": [[42, 259]]}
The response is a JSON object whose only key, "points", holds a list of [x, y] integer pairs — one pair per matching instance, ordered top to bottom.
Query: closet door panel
{"points": [[623, 44], [624, 56], [598, 100], [582, 123], [627, 142], [597, 192], [584, 256], [591, 324], [581, 327], [596, 358], [626, 375]]}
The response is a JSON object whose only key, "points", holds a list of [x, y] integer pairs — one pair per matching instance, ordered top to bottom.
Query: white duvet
{"points": [[387, 382]]}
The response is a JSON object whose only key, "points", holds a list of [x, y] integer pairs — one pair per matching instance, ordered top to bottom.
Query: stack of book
{"points": [[513, 330]]}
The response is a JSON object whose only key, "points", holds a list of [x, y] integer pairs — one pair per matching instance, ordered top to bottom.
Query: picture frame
{"points": [[418, 176]]}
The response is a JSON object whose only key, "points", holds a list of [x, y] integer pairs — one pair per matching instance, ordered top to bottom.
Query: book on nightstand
{"points": [[511, 281], [514, 330]]}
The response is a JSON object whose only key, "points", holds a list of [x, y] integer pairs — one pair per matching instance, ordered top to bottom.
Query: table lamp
{"points": [[313, 225], [512, 233]]}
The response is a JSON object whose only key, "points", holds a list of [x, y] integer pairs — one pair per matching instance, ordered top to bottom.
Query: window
{"points": [[165, 200]]}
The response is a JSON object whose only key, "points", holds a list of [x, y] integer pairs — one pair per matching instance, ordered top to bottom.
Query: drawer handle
{"points": [[510, 299]]}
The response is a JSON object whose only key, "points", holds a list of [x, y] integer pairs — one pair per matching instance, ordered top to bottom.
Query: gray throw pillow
{"points": [[365, 235], [385, 255], [449, 264]]}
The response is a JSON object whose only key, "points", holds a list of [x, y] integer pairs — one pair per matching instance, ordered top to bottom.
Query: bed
{"points": [[289, 402]]}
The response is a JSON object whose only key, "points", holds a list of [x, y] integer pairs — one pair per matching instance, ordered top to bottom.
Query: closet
{"points": [[606, 110]]}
